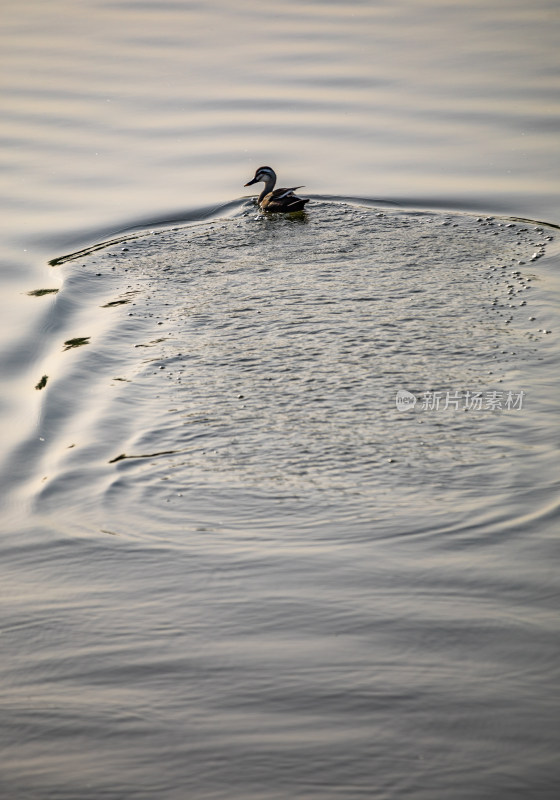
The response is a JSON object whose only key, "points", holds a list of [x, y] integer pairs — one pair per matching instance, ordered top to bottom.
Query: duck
{"points": [[276, 200]]}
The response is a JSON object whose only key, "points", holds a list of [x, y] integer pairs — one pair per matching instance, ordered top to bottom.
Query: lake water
{"points": [[279, 496]]}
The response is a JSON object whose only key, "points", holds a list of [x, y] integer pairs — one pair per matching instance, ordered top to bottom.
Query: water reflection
{"points": [[41, 292], [77, 341]]}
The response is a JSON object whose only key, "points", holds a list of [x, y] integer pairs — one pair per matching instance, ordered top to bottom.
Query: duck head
{"points": [[265, 174]]}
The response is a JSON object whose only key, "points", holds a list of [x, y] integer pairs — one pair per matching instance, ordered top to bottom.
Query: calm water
{"points": [[230, 565]]}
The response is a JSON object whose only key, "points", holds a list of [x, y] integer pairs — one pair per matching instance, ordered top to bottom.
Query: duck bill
{"points": [[251, 182]]}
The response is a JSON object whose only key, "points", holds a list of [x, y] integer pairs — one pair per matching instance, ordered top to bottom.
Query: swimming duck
{"points": [[271, 199]]}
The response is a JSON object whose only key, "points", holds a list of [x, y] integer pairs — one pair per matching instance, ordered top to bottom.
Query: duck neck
{"points": [[268, 187]]}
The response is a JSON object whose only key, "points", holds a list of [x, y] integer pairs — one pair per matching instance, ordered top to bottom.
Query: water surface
{"points": [[230, 565], [235, 567]]}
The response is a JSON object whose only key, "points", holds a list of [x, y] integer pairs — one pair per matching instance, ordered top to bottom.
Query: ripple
{"points": [[270, 352]]}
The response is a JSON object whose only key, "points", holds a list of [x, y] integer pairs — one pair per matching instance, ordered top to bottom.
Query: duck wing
{"points": [[278, 194]]}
